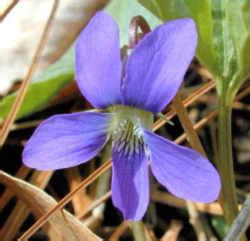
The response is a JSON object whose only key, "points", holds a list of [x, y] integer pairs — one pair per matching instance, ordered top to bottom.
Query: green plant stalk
{"points": [[225, 162], [138, 231]]}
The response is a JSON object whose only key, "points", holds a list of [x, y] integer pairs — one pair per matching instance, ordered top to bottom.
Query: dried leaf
{"points": [[21, 211], [64, 223]]}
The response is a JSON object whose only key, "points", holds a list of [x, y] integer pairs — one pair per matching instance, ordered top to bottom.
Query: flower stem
{"points": [[225, 162], [103, 184], [138, 231]]}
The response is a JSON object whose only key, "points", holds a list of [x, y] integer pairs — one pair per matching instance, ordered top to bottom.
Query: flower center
{"points": [[126, 129], [127, 138]]}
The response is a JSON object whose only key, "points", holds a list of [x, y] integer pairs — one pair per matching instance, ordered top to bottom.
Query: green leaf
{"points": [[166, 9], [201, 12], [238, 21], [224, 36], [232, 43], [223, 47], [43, 88], [219, 225]]}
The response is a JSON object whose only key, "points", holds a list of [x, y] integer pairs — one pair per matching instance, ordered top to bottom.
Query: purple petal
{"points": [[98, 62], [156, 67], [66, 140], [184, 172], [130, 183]]}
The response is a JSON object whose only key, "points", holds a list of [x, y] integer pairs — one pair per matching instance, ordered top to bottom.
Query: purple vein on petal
{"points": [[97, 61], [156, 67], [66, 140], [183, 171], [130, 181]]}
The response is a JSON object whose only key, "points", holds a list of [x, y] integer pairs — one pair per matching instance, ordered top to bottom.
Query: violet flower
{"points": [[153, 73]]}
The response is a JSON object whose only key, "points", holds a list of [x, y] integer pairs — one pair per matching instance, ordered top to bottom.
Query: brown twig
{"points": [[8, 9], [24, 86], [187, 102], [211, 116], [187, 124], [199, 124], [164, 198], [167, 199], [81, 200], [95, 204], [195, 218], [119, 231], [173, 232]]}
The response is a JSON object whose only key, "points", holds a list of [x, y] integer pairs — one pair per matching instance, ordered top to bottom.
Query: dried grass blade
{"points": [[7, 10], [24, 86], [187, 102], [210, 116], [165, 198], [81, 200], [40, 203], [95, 204], [119, 231], [173, 232]]}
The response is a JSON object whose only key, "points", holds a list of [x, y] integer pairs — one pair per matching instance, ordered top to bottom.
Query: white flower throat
{"points": [[126, 129]]}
